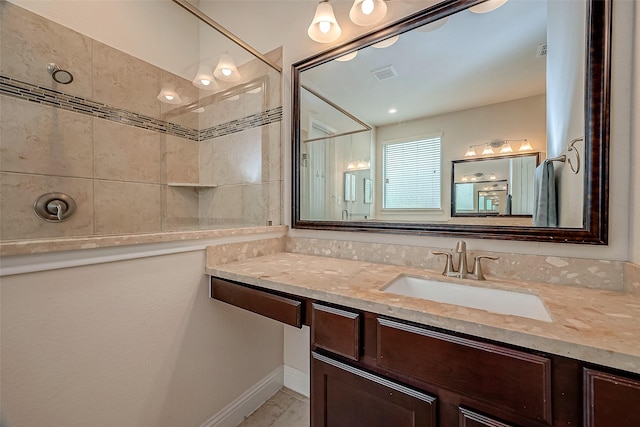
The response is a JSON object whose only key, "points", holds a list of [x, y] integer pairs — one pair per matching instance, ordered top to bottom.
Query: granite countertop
{"points": [[597, 326]]}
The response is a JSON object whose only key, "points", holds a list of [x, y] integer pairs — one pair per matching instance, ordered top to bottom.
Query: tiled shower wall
{"points": [[106, 140]]}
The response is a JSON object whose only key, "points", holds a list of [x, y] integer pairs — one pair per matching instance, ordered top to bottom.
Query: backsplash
{"points": [[600, 274]]}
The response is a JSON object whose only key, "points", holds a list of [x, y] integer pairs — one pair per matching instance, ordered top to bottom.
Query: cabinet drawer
{"points": [[284, 309], [336, 330], [511, 379], [610, 400]]}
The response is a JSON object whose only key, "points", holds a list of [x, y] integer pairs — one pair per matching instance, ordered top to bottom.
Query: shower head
{"points": [[59, 75]]}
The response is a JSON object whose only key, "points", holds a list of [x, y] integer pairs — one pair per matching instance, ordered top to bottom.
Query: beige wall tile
{"points": [[29, 42], [124, 81], [44, 140], [126, 153], [181, 162], [18, 194], [241, 205], [124, 207], [180, 208]]}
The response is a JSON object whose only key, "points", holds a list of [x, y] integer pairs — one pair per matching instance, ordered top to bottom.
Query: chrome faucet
{"points": [[463, 270]]}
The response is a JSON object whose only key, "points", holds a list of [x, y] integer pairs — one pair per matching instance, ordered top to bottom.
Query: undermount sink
{"points": [[489, 299]]}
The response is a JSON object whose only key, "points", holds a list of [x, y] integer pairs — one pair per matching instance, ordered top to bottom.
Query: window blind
{"points": [[411, 174]]}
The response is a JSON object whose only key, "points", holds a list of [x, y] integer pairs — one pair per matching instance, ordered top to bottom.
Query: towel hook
{"points": [[572, 148]]}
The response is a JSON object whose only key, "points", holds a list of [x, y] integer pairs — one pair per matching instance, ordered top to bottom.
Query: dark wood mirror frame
{"points": [[596, 180]]}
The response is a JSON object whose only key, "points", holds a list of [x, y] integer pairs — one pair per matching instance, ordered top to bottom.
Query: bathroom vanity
{"points": [[380, 359]]}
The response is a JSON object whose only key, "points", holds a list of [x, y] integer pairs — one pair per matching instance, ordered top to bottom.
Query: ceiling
{"points": [[470, 61]]}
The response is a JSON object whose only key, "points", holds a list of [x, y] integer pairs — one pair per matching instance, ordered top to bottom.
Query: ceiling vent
{"points": [[541, 50], [384, 73]]}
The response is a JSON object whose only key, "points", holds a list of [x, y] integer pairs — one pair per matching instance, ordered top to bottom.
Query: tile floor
{"points": [[286, 408]]}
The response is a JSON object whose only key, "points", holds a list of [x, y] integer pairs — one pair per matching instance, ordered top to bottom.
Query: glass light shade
{"points": [[487, 6], [367, 12], [432, 26], [324, 28], [386, 43], [348, 56], [226, 69], [204, 78], [168, 95], [525, 146], [506, 148], [487, 150], [470, 152], [464, 178]]}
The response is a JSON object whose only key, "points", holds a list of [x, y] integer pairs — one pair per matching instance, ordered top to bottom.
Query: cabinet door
{"points": [[344, 396], [611, 400], [469, 418]]}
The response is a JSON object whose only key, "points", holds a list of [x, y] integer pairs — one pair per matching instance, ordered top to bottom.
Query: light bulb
{"points": [[367, 7], [324, 26], [226, 71], [205, 82], [169, 97]]}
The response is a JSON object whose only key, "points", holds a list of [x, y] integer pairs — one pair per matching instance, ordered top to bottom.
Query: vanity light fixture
{"points": [[487, 6], [367, 12], [432, 26], [324, 28], [387, 42], [348, 56], [226, 69], [204, 78], [168, 95], [392, 111], [503, 144], [525, 146], [358, 164]]}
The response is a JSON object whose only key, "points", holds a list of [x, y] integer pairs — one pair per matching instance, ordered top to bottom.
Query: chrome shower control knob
{"points": [[54, 207]]}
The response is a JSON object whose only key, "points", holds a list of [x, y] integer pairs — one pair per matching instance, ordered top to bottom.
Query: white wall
{"points": [[523, 118], [129, 343]]}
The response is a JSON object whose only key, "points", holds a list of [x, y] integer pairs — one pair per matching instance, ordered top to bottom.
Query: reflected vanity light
{"points": [[487, 6], [367, 12], [432, 26], [324, 28], [387, 42], [348, 56], [226, 69], [204, 78], [168, 95], [503, 144], [525, 146], [358, 164]]}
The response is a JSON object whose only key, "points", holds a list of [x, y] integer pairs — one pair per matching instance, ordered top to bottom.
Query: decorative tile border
{"points": [[53, 98], [255, 120]]}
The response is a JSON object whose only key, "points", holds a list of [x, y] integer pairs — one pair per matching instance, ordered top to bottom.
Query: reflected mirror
{"points": [[526, 78], [500, 187]]}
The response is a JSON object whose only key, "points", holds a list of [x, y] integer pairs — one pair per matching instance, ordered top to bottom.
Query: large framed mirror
{"points": [[399, 108]]}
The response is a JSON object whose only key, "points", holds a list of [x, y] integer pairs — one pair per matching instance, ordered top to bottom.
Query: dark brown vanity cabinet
{"points": [[373, 371], [611, 400]]}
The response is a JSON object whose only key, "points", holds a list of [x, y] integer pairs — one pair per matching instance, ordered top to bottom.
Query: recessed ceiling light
{"points": [[392, 110]]}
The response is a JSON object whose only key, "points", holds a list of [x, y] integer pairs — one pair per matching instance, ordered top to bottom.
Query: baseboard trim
{"points": [[297, 380], [235, 412]]}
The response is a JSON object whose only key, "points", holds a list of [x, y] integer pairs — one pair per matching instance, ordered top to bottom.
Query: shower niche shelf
{"points": [[193, 185]]}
